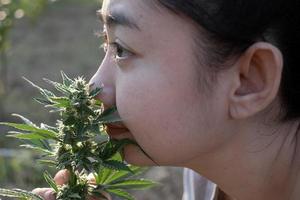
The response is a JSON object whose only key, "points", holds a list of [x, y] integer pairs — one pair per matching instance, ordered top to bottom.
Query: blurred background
{"points": [[39, 38]]}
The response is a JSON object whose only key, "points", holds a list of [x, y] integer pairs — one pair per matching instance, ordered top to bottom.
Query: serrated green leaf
{"points": [[44, 92], [43, 101], [25, 120], [23, 127], [47, 134], [26, 136], [40, 143], [39, 149], [48, 162], [116, 165], [102, 175], [121, 175], [50, 181], [132, 184], [121, 193]]}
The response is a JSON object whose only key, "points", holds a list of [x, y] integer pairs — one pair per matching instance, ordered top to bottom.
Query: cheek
{"points": [[165, 114]]}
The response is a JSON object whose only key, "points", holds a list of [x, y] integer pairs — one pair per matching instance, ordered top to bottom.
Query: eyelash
{"points": [[115, 46]]}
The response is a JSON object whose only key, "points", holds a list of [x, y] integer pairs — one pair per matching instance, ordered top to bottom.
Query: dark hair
{"points": [[234, 25]]}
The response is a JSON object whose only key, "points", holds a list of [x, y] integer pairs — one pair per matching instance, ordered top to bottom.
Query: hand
{"points": [[61, 178]]}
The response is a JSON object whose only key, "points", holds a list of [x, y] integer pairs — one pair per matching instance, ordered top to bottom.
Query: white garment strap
{"points": [[196, 187]]}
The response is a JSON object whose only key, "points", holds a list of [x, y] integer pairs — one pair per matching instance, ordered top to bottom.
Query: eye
{"points": [[119, 52]]}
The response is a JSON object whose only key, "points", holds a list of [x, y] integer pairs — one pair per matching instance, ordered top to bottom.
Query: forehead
{"points": [[128, 6], [147, 14]]}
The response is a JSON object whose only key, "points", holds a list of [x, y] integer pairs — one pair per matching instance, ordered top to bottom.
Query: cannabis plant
{"points": [[78, 143]]}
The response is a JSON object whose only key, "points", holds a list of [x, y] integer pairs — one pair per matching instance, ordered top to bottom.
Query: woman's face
{"points": [[150, 73]]}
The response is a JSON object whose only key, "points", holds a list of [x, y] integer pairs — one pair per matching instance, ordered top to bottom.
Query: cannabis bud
{"points": [[78, 143]]}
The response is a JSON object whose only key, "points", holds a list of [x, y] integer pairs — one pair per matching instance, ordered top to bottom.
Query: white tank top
{"points": [[196, 187]]}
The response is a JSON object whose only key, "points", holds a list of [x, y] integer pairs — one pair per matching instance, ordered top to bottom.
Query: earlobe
{"points": [[256, 81]]}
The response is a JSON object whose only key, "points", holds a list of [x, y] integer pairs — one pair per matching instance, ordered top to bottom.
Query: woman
{"points": [[212, 86]]}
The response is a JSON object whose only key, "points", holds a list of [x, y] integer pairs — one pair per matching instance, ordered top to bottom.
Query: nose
{"points": [[104, 78]]}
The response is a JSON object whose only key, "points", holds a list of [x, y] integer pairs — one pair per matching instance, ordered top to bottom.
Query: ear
{"points": [[256, 80]]}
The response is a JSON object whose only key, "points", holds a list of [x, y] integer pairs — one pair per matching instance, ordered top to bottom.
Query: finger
{"points": [[62, 177], [45, 193]]}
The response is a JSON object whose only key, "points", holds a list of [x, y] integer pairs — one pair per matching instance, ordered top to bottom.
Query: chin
{"points": [[135, 156]]}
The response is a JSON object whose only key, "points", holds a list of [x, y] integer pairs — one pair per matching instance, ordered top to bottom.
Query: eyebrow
{"points": [[117, 18]]}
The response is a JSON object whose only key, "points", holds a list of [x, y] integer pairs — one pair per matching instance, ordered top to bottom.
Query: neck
{"points": [[261, 163]]}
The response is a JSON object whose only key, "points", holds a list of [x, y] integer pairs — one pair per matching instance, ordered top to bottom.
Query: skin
{"points": [[229, 135]]}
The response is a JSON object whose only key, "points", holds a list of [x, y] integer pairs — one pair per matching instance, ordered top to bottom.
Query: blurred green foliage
{"points": [[12, 10], [21, 169]]}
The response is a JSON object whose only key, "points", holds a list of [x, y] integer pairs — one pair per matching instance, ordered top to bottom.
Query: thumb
{"points": [[62, 177]]}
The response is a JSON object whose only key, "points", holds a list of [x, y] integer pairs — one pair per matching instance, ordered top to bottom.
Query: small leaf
{"points": [[66, 80], [60, 87], [44, 92], [95, 92], [43, 101], [61, 101], [97, 102], [88, 110], [109, 116], [25, 120], [23, 127], [47, 127], [47, 134], [26, 136], [40, 143], [28, 146], [114, 146], [48, 162], [116, 165], [103, 174], [121, 175], [50, 181], [133, 184], [121, 193], [75, 195]]}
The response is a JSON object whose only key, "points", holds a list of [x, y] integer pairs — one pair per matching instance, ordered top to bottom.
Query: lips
{"points": [[118, 131]]}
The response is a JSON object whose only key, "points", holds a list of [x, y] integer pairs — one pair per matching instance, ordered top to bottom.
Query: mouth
{"points": [[118, 131]]}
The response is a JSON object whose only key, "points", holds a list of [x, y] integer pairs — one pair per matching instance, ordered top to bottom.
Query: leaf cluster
{"points": [[78, 142]]}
